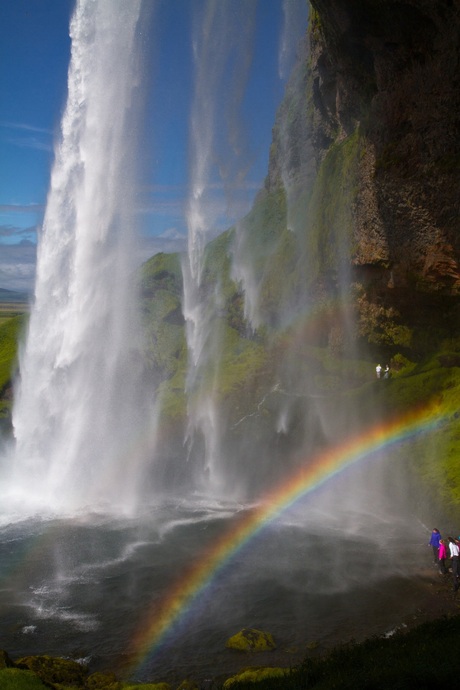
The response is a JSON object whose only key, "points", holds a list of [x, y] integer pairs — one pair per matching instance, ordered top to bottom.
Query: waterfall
{"points": [[222, 51], [77, 418]]}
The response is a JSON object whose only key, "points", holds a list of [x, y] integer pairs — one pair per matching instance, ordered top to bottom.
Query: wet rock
{"points": [[389, 72], [251, 640], [55, 670], [103, 681]]}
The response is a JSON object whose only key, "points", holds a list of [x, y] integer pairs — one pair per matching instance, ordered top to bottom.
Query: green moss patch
{"points": [[331, 209], [10, 330], [251, 640], [55, 670], [255, 675], [15, 679], [148, 686]]}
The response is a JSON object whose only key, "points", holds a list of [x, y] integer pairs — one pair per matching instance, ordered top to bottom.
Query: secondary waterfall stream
{"points": [[223, 37]]}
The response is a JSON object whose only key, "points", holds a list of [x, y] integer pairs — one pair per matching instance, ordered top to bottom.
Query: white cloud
{"points": [[23, 126], [33, 137], [31, 143], [21, 208], [12, 231], [172, 234], [169, 242], [18, 261], [17, 266]]}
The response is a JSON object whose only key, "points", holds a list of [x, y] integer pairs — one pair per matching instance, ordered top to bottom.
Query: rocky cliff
{"points": [[392, 69], [382, 78]]}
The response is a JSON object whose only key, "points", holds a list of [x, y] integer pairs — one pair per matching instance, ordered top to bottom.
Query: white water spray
{"points": [[223, 35], [76, 418]]}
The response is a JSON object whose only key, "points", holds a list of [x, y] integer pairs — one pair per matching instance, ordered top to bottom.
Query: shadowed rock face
{"points": [[392, 69]]}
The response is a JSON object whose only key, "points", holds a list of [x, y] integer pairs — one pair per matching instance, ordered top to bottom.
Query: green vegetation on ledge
{"points": [[330, 214], [10, 332]]}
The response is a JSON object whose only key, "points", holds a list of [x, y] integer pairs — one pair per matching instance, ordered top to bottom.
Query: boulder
{"points": [[251, 640], [55, 670], [103, 681]]}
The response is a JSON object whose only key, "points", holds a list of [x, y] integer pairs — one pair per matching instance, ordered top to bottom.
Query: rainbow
{"points": [[182, 595]]}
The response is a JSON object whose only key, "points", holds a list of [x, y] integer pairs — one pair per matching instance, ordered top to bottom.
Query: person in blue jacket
{"points": [[434, 543]]}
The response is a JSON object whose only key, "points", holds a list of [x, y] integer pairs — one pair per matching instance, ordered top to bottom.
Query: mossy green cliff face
{"points": [[384, 78], [347, 257]]}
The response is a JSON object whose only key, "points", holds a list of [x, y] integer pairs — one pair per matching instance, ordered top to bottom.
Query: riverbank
{"points": [[437, 601]]}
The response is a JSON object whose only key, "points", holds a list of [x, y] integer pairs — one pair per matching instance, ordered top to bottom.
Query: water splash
{"points": [[78, 399]]}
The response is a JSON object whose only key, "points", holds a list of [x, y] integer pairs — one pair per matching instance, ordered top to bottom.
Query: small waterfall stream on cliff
{"points": [[221, 47], [88, 548]]}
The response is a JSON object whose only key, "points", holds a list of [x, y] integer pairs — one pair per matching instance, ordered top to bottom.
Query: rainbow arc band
{"points": [[161, 618]]}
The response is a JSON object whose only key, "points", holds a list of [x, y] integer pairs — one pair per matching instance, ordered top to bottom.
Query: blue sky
{"points": [[34, 57]]}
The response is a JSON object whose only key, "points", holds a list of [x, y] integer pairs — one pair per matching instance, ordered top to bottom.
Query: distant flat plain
{"points": [[12, 304]]}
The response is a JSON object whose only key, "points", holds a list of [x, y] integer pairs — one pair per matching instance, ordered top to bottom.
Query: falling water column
{"points": [[77, 410]]}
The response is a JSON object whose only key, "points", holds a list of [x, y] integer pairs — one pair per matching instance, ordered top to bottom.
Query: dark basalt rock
{"points": [[390, 69]]}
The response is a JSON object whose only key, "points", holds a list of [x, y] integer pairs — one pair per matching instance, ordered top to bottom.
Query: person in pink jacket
{"points": [[442, 555]]}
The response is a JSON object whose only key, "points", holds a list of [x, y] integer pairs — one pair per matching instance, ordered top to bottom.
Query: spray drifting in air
{"points": [[222, 55], [77, 410]]}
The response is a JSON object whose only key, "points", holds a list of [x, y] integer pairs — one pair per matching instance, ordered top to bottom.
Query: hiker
{"points": [[378, 370], [386, 375], [434, 543], [454, 554], [442, 555]]}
